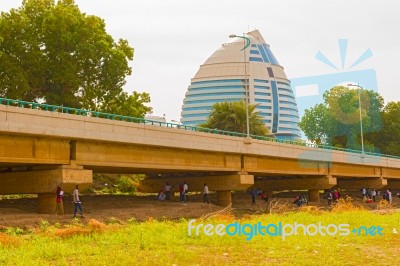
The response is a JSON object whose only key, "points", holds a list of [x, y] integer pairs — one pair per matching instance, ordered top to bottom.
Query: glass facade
{"points": [[222, 78]]}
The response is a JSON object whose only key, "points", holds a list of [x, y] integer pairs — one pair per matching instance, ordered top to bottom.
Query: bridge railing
{"points": [[84, 112]]}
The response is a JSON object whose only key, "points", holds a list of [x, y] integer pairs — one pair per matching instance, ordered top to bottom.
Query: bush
{"points": [[115, 183], [126, 184]]}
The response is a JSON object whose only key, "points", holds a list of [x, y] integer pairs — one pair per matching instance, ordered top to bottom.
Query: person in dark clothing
{"points": [[181, 192], [253, 192], [329, 197]]}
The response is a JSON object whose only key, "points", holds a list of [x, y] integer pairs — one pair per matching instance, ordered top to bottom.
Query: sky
{"points": [[173, 38]]}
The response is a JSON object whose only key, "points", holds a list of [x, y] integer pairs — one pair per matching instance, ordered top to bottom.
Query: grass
{"points": [[167, 242]]}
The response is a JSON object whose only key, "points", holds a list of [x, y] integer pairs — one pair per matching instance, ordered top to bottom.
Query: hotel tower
{"points": [[223, 77]]}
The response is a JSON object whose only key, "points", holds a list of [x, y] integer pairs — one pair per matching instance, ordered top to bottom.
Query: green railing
{"points": [[83, 112]]}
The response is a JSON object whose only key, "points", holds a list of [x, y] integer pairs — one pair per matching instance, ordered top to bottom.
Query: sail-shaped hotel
{"points": [[222, 78]]}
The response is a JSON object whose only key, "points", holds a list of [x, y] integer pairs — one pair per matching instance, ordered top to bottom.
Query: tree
{"points": [[52, 51], [130, 105], [231, 116], [337, 121], [317, 123], [388, 138]]}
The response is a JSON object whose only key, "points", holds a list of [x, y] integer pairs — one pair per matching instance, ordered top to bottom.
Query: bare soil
{"points": [[22, 213]]}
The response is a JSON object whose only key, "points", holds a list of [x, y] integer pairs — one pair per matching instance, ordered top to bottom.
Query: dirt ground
{"points": [[23, 212]]}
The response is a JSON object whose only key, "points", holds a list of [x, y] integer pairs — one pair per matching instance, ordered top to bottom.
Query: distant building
{"points": [[221, 78], [152, 117]]}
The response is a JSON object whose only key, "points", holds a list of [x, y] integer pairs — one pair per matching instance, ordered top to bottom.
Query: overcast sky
{"points": [[173, 38]]}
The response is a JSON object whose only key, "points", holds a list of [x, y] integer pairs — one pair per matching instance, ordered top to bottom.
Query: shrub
{"points": [[125, 184]]}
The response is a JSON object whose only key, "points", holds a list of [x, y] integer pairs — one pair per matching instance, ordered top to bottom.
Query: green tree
{"points": [[52, 51], [131, 105], [231, 116], [337, 121], [317, 124], [388, 138]]}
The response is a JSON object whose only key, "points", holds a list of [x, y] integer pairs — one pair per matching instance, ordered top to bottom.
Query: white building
{"points": [[222, 78]]}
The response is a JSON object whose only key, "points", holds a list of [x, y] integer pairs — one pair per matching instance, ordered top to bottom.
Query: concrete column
{"points": [[313, 195], [224, 198], [47, 203]]}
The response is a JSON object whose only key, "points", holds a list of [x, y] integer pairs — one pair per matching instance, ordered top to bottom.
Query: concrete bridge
{"points": [[42, 149]]}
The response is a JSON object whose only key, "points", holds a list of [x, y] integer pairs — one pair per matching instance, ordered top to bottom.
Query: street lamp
{"points": [[246, 43], [359, 105]]}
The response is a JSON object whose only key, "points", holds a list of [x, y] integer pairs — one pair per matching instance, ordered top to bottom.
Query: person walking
{"points": [[167, 191], [185, 191], [253, 192], [205, 194], [59, 201], [77, 202]]}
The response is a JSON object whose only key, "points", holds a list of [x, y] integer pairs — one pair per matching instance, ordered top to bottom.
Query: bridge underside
{"points": [[38, 165]]}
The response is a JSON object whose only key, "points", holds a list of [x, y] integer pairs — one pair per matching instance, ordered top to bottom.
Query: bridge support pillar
{"points": [[44, 182], [313, 195], [224, 198], [47, 203]]}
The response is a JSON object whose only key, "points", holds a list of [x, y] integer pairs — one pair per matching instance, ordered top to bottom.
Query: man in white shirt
{"points": [[185, 191], [363, 192], [389, 193], [205, 194], [77, 202]]}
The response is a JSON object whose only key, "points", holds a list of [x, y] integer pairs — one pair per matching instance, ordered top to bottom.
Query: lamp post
{"points": [[246, 43], [359, 105]]}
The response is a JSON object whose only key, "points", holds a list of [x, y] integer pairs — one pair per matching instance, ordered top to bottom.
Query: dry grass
{"points": [[346, 204], [276, 206], [384, 207], [311, 209], [225, 212], [94, 226], [72, 231], [8, 240]]}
